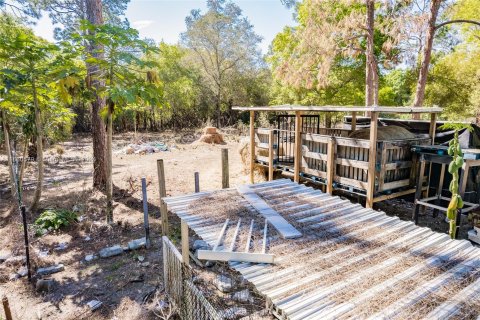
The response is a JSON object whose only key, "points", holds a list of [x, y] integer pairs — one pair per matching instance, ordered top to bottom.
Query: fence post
{"points": [[252, 146], [298, 146], [270, 155], [372, 155], [330, 164], [225, 169], [197, 182], [163, 193], [145, 213], [25, 234], [185, 243], [6, 308]]}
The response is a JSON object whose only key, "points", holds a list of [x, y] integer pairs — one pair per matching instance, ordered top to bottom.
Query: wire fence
{"points": [[195, 294]]}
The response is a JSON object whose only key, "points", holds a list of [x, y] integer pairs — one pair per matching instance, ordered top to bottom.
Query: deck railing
{"points": [[349, 158]]}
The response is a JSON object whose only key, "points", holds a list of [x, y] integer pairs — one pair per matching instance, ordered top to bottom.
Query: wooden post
{"points": [[354, 121], [433, 127], [252, 145], [298, 146], [270, 155], [372, 158], [330, 164], [225, 170], [197, 182], [418, 192], [163, 193], [145, 213], [185, 243], [6, 308]]}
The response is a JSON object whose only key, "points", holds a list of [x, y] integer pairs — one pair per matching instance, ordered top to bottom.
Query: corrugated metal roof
{"points": [[352, 262]]}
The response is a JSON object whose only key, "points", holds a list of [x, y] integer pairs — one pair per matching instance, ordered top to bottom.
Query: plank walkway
{"points": [[352, 262]]}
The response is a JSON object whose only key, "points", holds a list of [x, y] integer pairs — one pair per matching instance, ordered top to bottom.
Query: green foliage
{"points": [[456, 203], [54, 219]]}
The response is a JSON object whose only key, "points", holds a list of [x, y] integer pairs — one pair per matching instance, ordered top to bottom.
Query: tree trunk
{"points": [[94, 16], [427, 54], [371, 76], [39, 129], [8, 149], [24, 163], [109, 189]]}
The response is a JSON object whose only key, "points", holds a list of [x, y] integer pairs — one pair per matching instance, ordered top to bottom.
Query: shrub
{"points": [[54, 219]]}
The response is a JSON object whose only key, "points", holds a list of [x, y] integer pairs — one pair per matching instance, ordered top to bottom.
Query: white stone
{"points": [[137, 244], [111, 251], [90, 257], [141, 258], [49, 270], [224, 283], [242, 296], [94, 304], [235, 312]]}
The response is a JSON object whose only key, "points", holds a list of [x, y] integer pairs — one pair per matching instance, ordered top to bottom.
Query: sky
{"points": [[165, 19]]}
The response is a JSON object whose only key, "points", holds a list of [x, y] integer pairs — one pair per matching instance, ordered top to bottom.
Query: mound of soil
{"points": [[210, 135]]}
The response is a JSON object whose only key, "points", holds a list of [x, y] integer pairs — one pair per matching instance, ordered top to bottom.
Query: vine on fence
{"points": [[455, 151]]}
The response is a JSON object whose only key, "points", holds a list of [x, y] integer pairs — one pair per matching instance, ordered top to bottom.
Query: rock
{"points": [[87, 238], [137, 244], [200, 245], [61, 246], [111, 251], [42, 253], [4, 255], [90, 257], [141, 258], [15, 260], [145, 264], [209, 264], [49, 270], [22, 272], [13, 276], [224, 283], [44, 285], [242, 296], [94, 304], [235, 312]]}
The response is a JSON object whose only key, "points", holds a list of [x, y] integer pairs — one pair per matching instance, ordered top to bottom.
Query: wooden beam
{"points": [[354, 121], [433, 127], [252, 145], [298, 146], [270, 155], [372, 158], [330, 164], [163, 193], [286, 230], [185, 243], [236, 256]]}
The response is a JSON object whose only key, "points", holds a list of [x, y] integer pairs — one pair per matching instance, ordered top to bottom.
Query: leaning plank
{"points": [[286, 230], [220, 236], [235, 256]]}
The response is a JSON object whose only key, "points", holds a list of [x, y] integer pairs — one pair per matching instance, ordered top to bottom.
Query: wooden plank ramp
{"points": [[286, 230], [350, 262]]}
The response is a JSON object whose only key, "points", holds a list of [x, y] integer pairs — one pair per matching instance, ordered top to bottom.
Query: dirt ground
{"points": [[121, 282], [124, 284]]}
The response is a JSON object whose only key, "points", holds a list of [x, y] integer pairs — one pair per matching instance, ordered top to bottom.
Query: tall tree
{"points": [[432, 27], [223, 41], [125, 72], [97, 83]]}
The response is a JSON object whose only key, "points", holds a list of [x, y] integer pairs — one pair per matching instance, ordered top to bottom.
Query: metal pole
{"points": [[197, 182], [145, 213], [25, 234]]}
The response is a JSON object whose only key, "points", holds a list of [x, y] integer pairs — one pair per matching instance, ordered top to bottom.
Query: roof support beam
{"points": [[372, 159]]}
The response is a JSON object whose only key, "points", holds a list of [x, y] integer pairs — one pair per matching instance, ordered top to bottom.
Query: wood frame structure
{"points": [[331, 157]]}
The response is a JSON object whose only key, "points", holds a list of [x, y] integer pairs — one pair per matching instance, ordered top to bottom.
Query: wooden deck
{"points": [[352, 262]]}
